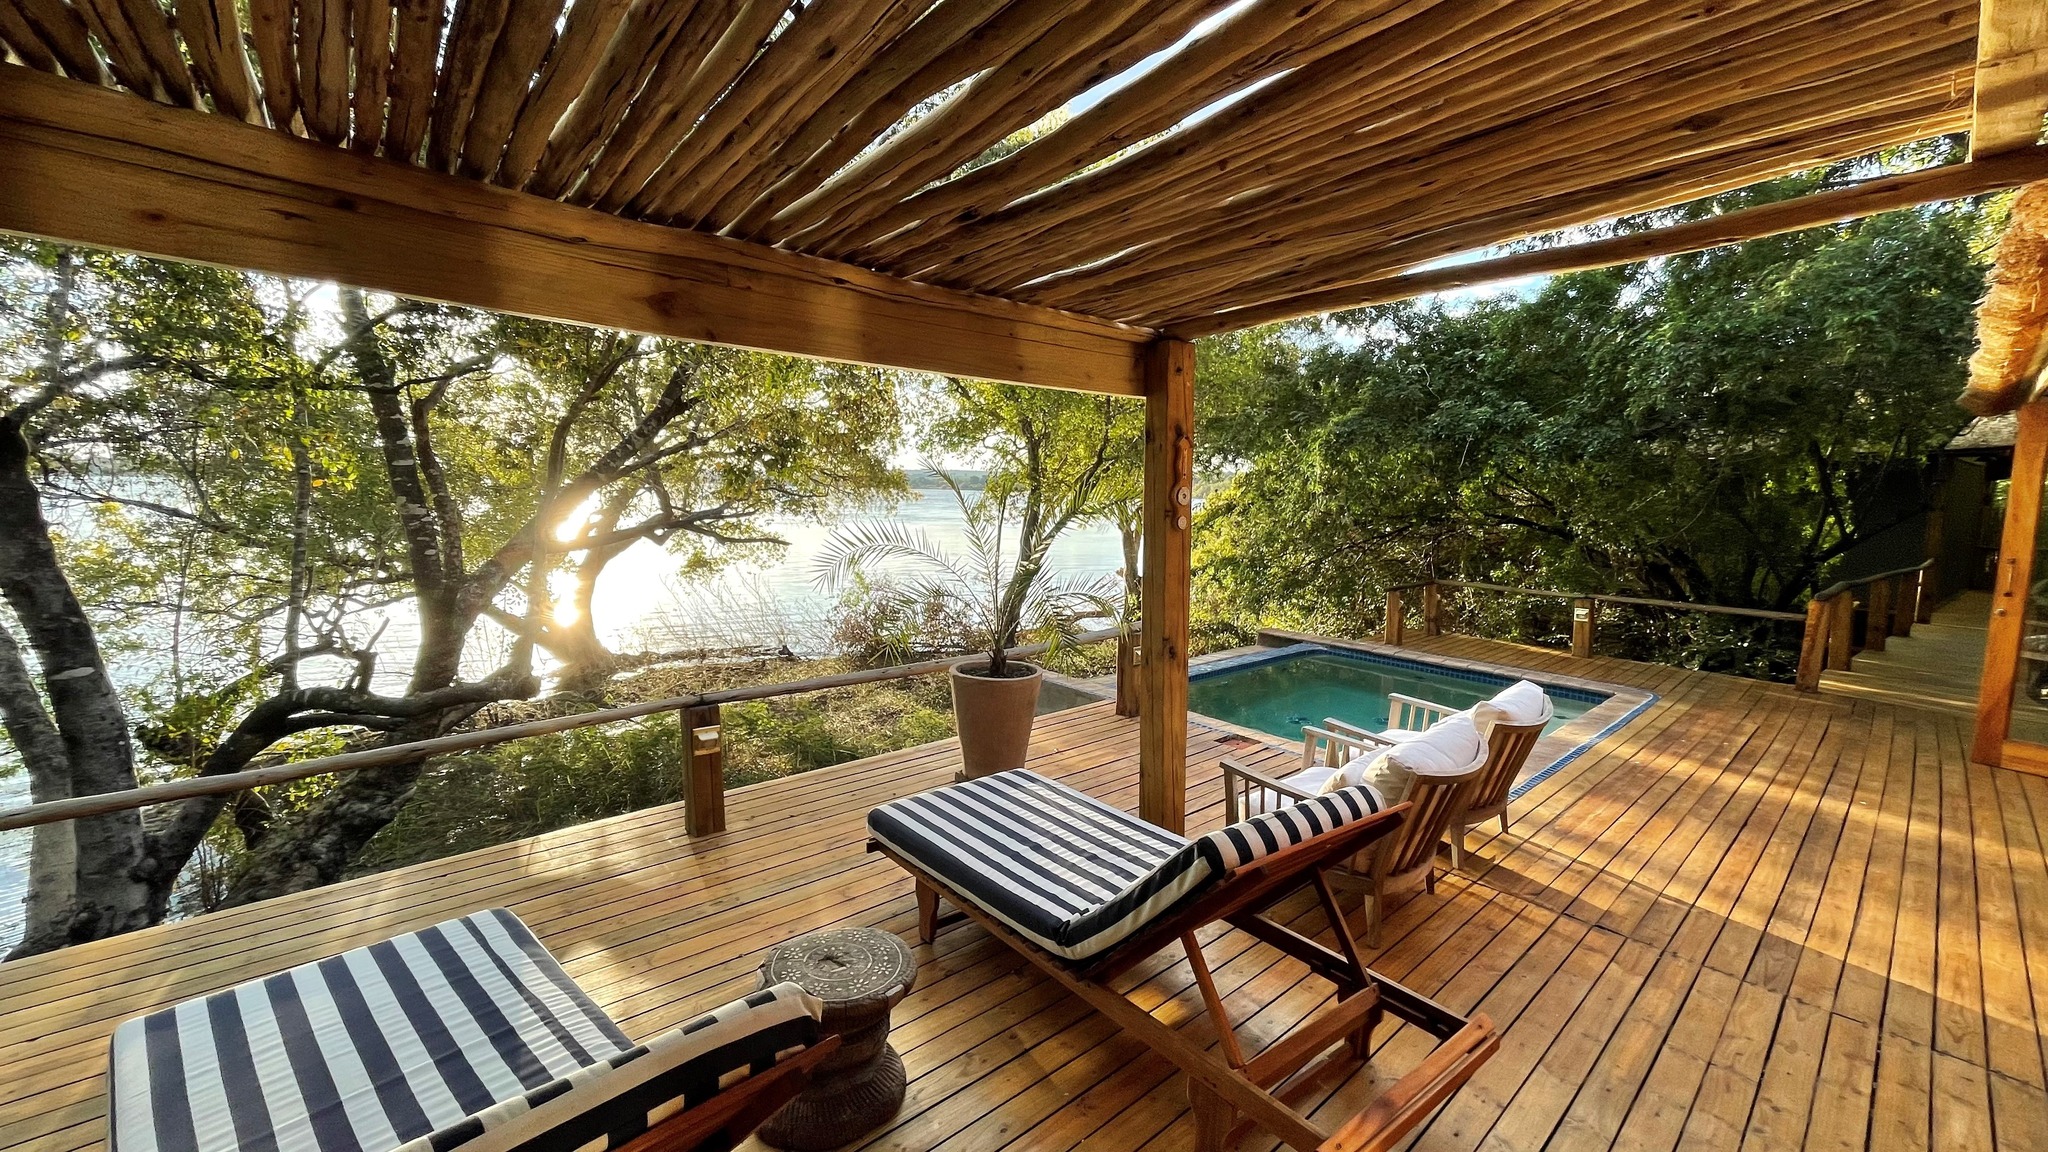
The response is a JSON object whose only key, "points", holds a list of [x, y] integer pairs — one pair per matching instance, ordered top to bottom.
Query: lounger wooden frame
{"points": [[1231, 1092], [722, 1121]]}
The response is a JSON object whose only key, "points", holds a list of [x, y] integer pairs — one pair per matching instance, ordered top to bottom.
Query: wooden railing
{"points": [[1892, 603], [1827, 612], [703, 782]]}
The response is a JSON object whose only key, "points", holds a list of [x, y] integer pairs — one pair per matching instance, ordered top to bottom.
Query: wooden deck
{"points": [[1751, 919]]}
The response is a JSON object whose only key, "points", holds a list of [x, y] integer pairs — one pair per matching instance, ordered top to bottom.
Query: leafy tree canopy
{"points": [[1711, 427]]}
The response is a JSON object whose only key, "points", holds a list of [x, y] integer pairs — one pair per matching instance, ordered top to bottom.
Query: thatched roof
{"points": [[1284, 148], [2012, 323], [1987, 434]]}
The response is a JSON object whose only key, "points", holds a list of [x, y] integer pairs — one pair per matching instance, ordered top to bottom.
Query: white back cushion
{"points": [[1522, 702], [1451, 746]]}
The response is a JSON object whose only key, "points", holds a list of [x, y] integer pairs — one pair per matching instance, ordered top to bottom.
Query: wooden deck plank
{"points": [[1752, 918]]}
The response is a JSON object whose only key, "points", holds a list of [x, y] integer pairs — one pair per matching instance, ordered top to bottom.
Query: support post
{"points": [[1169, 374], [1924, 594], [1905, 603], [1432, 609], [1585, 617], [1877, 618], [1841, 621], [1392, 635], [1813, 646], [1127, 673], [704, 775]]}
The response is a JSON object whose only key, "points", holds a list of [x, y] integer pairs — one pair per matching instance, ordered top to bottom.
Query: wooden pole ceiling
{"points": [[1266, 156]]}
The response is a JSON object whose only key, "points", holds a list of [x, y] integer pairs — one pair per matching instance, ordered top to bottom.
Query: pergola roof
{"points": [[1281, 149]]}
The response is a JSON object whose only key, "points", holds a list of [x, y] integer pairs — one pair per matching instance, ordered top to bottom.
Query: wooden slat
{"points": [[217, 26], [63, 29], [529, 31], [473, 33], [665, 36], [21, 37], [1254, 43], [370, 44], [123, 49], [941, 49], [1081, 50], [323, 53], [415, 54], [570, 64], [277, 65], [798, 70], [1450, 70], [677, 94], [2010, 97], [764, 109], [1645, 133], [93, 169], [1881, 194]]}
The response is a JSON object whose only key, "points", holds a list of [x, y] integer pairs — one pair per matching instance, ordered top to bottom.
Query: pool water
{"points": [[1279, 695]]}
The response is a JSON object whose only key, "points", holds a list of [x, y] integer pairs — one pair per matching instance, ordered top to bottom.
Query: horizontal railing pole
{"points": [[1841, 586], [1639, 601], [191, 788]]}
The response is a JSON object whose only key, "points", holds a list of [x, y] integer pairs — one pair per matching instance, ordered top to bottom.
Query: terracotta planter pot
{"points": [[995, 718]]}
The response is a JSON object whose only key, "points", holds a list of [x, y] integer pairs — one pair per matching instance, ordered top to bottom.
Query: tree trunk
{"points": [[109, 890]]}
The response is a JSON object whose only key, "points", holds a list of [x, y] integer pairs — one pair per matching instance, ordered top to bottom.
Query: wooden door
{"points": [[2012, 696]]}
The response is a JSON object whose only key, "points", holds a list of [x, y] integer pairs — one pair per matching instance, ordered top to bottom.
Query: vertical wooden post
{"points": [[1167, 572], [1924, 592], [1905, 603], [1432, 610], [1585, 617], [1877, 618], [1841, 621], [1392, 635], [1813, 646], [1127, 674], [704, 775]]}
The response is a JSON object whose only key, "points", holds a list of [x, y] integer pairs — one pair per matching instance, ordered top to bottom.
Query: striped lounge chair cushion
{"points": [[1070, 873], [425, 1041]]}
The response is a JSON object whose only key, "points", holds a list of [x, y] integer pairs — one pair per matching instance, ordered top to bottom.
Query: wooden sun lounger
{"points": [[1229, 1090]]}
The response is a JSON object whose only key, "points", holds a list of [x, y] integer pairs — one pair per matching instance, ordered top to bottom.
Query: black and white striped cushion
{"points": [[1070, 873], [416, 1039]]}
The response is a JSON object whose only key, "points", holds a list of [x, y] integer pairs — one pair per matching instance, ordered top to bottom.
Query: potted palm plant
{"points": [[987, 598]]}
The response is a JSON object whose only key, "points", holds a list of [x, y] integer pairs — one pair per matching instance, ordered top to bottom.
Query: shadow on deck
{"points": [[1751, 916]]}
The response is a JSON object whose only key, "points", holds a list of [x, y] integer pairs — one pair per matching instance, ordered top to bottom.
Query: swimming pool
{"points": [[1277, 693]]}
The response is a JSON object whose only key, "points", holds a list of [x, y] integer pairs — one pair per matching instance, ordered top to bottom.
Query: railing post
{"points": [[1924, 592], [1905, 603], [1432, 610], [1585, 617], [1877, 618], [1841, 622], [1393, 632], [1813, 644], [1126, 675], [704, 775]]}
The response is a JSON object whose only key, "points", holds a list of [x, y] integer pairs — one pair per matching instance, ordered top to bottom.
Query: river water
{"points": [[644, 603]]}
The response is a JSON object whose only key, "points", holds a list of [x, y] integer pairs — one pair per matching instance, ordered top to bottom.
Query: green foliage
{"points": [[1712, 428]]}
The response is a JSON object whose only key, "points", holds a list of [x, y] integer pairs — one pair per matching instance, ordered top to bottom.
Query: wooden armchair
{"points": [[1507, 749], [1394, 864]]}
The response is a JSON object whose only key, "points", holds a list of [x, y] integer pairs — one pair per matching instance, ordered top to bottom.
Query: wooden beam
{"points": [[2011, 94], [93, 166], [1881, 194], [1167, 572]]}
